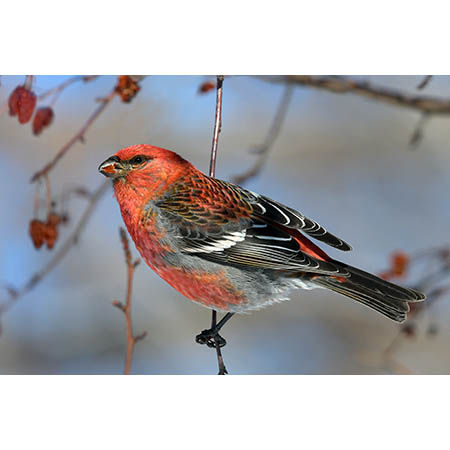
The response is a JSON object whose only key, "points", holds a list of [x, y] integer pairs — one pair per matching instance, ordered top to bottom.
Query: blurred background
{"points": [[341, 159]]}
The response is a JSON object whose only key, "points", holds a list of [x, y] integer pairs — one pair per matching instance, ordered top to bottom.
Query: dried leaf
{"points": [[206, 87], [127, 88]]}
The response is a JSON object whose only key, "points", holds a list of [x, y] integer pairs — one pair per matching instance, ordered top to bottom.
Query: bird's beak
{"points": [[112, 167]]}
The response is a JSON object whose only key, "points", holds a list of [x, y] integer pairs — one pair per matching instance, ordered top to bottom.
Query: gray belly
{"points": [[260, 287]]}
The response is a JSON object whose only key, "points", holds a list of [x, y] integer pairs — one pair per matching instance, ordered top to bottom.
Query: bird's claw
{"points": [[210, 338]]}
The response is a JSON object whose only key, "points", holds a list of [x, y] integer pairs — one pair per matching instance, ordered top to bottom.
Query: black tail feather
{"points": [[387, 298]]}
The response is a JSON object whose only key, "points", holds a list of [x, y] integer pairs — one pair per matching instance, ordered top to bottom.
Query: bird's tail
{"points": [[381, 295]]}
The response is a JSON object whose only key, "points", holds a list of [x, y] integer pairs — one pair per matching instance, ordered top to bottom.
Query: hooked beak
{"points": [[112, 167]]}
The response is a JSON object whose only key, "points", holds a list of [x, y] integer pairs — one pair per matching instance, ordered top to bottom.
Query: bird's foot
{"points": [[211, 338]]}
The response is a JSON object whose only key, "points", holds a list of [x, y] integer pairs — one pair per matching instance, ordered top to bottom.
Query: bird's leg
{"points": [[211, 337]]}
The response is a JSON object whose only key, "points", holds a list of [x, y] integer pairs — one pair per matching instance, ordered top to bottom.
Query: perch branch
{"points": [[342, 85], [217, 127], [79, 136], [263, 150], [212, 172], [36, 278], [126, 308]]}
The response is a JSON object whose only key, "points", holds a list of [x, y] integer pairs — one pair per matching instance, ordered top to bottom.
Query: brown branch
{"points": [[342, 85], [58, 89], [79, 136], [263, 150], [212, 172], [36, 278], [126, 309]]}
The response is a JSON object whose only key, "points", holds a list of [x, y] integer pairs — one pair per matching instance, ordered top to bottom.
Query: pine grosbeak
{"points": [[228, 248]]}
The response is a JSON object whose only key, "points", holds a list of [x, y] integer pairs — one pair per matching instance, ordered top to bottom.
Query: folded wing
{"points": [[221, 222]]}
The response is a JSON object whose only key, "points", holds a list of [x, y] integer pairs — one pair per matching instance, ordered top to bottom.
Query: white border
{"points": [[233, 37]]}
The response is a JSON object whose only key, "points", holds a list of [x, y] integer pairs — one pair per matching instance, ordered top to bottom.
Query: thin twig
{"points": [[28, 82], [424, 82], [342, 85], [58, 89], [4, 107], [217, 127], [417, 135], [79, 136], [263, 150], [212, 172], [48, 193], [16, 294], [126, 309]]}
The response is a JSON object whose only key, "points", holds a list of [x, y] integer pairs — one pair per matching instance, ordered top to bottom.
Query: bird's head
{"points": [[144, 168]]}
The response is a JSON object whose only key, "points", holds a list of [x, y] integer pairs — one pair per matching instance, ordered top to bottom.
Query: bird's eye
{"points": [[137, 160]]}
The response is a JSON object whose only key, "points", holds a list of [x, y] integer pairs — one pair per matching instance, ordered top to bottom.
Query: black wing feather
{"points": [[273, 211], [260, 246]]}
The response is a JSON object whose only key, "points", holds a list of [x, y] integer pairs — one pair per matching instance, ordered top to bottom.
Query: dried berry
{"points": [[206, 87], [127, 88], [22, 102], [42, 119], [37, 232], [45, 232], [51, 235], [400, 263], [399, 266]]}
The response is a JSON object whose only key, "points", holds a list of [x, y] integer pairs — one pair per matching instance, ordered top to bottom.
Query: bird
{"points": [[228, 248]]}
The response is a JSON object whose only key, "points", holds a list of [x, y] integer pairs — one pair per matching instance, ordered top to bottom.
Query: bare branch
{"points": [[424, 82], [342, 85], [58, 89], [217, 127], [417, 135], [79, 136], [263, 150], [212, 172], [430, 283], [16, 294], [126, 308]]}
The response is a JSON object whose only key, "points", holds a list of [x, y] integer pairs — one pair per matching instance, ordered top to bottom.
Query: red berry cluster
{"points": [[22, 103]]}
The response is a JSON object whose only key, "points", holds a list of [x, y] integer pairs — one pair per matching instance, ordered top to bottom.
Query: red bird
{"points": [[228, 248]]}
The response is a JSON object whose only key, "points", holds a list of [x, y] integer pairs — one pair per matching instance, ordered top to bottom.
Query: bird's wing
{"points": [[273, 211], [221, 222]]}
